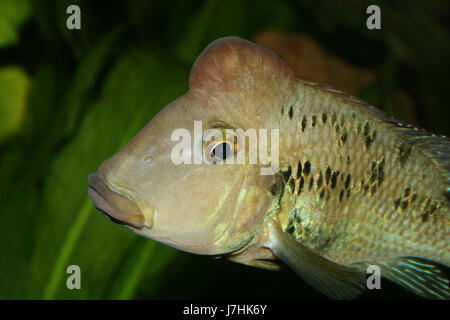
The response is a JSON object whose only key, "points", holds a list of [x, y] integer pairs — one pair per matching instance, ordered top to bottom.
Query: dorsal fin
{"points": [[436, 148]]}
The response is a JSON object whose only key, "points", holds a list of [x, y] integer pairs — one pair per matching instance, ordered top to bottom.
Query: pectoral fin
{"points": [[332, 279]]}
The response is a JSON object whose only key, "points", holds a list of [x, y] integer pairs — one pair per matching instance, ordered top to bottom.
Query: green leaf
{"points": [[13, 13], [194, 36], [14, 85], [69, 230]]}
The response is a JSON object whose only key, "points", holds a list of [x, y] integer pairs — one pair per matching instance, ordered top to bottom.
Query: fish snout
{"points": [[114, 205]]}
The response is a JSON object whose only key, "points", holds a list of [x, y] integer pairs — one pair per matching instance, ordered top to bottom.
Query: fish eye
{"points": [[216, 148], [221, 150]]}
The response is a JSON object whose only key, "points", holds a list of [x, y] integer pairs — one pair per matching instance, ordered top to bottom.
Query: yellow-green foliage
{"points": [[14, 87]]}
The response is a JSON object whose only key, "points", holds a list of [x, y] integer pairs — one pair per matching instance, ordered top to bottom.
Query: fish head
{"points": [[197, 205]]}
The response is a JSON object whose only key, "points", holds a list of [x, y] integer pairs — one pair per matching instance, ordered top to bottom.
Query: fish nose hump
{"points": [[116, 206]]}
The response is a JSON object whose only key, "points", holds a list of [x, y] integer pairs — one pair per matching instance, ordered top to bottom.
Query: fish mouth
{"points": [[113, 205]]}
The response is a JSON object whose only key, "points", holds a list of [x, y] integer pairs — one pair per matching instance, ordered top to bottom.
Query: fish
{"points": [[346, 186]]}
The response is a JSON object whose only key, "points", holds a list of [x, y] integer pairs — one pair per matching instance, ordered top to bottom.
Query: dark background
{"points": [[71, 98]]}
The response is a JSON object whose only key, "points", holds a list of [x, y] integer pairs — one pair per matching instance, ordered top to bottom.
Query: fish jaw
{"points": [[116, 205]]}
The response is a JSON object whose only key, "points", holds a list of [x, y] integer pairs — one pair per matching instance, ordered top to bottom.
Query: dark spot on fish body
{"points": [[282, 110], [291, 112], [324, 118], [333, 119], [342, 120], [313, 121], [303, 123], [366, 129], [343, 138], [367, 138], [368, 142], [404, 151], [381, 164], [307, 168], [299, 169], [380, 171], [286, 174], [328, 175], [373, 176], [319, 180], [334, 180], [347, 181], [291, 183], [311, 183], [300, 185], [277, 188], [366, 188], [274, 189], [373, 189], [407, 191], [348, 193], [322, 194], [341, 195], [414, 197], [396, 203], [404, 204], [425, 204], [434, 207], [430, 210], [425, 216], [290, 229], [327, 242]]}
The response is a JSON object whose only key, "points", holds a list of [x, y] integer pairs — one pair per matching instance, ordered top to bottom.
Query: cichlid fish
{"points": [[355, 186]]}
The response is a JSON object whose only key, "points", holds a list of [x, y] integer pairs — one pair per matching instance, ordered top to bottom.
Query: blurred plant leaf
{"points": [[13, 13], [194, 36], [85, 79], [14, 87], [22, 168], [70, 230]]}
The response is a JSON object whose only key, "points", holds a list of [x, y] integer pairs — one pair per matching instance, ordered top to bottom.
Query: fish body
{"points": [[355, 187], [374, 193]]}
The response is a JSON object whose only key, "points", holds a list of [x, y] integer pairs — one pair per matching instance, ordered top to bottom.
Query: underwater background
{"points": [[71, 98]]}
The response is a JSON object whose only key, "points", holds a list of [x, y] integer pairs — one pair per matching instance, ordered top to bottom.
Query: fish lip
{"points": [[117, 207]]}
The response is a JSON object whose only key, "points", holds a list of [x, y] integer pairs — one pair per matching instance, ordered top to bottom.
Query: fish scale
{"points": [[379, 171]]}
